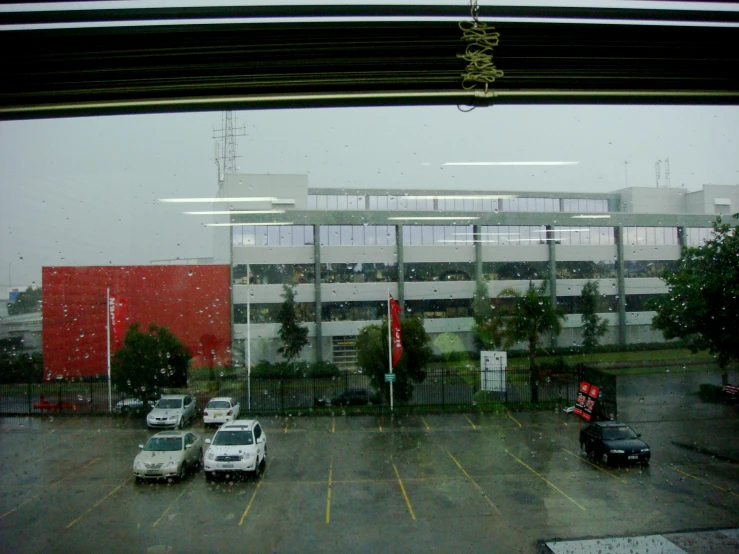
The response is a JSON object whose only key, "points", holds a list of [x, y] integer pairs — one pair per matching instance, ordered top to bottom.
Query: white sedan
{"points": [[220, 410]]}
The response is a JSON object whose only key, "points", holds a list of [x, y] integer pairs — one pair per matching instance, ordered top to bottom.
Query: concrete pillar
{"points": [[477, 238], [619, 238], [401, 268], [552, 275], [319, 306]]}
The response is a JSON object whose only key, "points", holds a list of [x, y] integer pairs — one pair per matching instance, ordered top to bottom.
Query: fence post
{"points": [[313, 383], [443, 388], [282, 394], [28, 395], [59, 398], [90, 402]]}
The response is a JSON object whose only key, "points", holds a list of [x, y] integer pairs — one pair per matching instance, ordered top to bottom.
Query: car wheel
{"points": [[125, 410], [181, 423], [604, 459], [200, 460], [183, 472], [208, 475], [138, 480]]}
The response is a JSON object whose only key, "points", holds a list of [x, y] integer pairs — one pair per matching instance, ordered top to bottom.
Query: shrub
{"points": [[323, 369], [709, 393]]}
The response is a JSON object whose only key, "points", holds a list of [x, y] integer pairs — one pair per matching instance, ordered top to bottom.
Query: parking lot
{"points": [[453, 482]]}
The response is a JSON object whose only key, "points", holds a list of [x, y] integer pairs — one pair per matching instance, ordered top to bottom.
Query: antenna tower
{"points": [[225, 147], [657, 166], [667, 172]]}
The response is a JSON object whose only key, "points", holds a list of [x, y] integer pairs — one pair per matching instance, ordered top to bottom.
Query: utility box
{"points": [[493, 367]]}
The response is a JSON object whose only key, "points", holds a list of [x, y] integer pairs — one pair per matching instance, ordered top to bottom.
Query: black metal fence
{"points": [[443, 388]]}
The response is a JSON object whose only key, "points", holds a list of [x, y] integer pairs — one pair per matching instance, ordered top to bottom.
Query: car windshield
{"points": [[169, 403], [218, 404], [618, 433], [233, 438], [163, 444]]}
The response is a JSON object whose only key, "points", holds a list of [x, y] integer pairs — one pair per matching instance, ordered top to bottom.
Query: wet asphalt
{"points": [[414, 483]]}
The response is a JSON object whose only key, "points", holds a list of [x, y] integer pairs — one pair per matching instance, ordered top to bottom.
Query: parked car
{"points": [[352, 396], [132, 405], [172, 410], [220, 410], [613, 442], [237, 447], [168, 455]]}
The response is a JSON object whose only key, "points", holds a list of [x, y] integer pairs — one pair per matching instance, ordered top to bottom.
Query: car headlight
{"points": [[172, 417], [645, 449], [617, 451], [248, 455], [210, 456], [171, 463], [138, 464]]}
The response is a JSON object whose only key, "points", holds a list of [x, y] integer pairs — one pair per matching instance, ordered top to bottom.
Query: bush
{"points": [[323, 369], [276, 370], [488, 398]]}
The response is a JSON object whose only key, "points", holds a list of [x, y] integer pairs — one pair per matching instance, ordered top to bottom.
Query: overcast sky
{"points": [[84, 191]]}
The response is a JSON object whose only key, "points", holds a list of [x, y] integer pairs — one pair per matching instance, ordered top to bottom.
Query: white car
{"points": [[132, 405], [172, 410], [220, 410], [237, 447], [168, 455]]}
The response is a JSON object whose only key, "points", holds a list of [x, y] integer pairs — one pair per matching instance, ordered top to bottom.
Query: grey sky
{"points": [[84, 191]]}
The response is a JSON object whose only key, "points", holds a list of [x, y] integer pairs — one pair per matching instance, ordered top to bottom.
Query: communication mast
{"points": [[225, 146], [657, 166], [667, 172]]}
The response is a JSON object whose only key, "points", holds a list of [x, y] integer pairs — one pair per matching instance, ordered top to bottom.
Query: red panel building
{"points": [[192, 301]]}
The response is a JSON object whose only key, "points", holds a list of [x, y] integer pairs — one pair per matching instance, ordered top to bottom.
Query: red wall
{"points": [[192, 301]]}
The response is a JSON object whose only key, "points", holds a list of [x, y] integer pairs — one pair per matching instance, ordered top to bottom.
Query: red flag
{"points": [[118, 316], [395, 331]]}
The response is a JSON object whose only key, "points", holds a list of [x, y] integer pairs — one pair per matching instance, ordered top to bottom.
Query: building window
{"points": [[264, 235], [357, 235], [512, 235], [698, 235], [584, 236], [657, 236], [645, 268], [604, 269], [439, 271], [511, 271], [359, 272], [274, 274], [638, 302], [573, 304], [439, 308], [354, 311], [269, 313]]}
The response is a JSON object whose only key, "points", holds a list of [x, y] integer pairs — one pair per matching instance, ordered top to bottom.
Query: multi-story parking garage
{"points": [[347, 248]]}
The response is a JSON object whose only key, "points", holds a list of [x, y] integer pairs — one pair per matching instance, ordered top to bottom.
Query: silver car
{"points": [[172, 410], [168, 455]]}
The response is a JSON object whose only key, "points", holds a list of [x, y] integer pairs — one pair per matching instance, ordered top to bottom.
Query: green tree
{"points": [[26, 302], [702, 305], [531, 315], [488, 322], [593, 326], [294, 336], [372, 357], [148, 362], [21, 367]]}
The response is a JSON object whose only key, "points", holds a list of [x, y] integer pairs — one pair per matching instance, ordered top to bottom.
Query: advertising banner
{"points": [[118, 319], [395, 331], [582, 397], [587, 411]]}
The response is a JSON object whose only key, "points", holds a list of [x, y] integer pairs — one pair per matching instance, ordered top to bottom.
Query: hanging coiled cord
{"points": [[481, 40]]}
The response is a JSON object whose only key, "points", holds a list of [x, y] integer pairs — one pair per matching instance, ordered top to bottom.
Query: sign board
{"points": [[493, 366], [390, 377]]}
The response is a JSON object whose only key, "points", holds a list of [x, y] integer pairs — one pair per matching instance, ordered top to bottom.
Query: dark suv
{"points": [[352, 396], [612, 442]]}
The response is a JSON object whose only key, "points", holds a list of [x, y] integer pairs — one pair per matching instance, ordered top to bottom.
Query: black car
{"points": [[352, 396], [615, 443]]}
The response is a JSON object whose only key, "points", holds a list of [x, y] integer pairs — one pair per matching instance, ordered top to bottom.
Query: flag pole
{"points": [[107, 329], [248, 331], [390, 346]]}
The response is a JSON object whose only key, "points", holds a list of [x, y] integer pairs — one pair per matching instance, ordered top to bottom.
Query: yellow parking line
{"points": [[513, 418], [468, 419], [287, 422], [333, 424], [426, 424], [380, 426], [594, 465], [72, 472], [706, 482], [555, 487], [402, 489], [111, 493], [328, 496], [485, 496], [172, 504], [19, 506], [248, 506]]}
